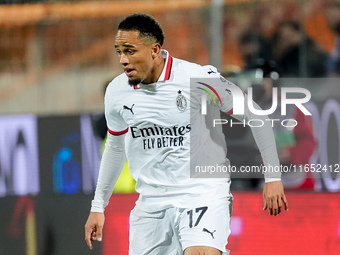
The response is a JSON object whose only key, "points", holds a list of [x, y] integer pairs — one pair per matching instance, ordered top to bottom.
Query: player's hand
{"points": [[273, 195], [94, 228]]}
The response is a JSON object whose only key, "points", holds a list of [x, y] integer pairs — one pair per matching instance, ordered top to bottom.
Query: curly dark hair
{"points": [[145, 24]]}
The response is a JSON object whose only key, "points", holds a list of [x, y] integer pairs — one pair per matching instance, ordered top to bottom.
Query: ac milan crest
{"points": [[181, 101]]}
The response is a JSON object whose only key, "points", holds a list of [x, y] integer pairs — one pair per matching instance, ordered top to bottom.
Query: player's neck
{"points": [[158, 69]]}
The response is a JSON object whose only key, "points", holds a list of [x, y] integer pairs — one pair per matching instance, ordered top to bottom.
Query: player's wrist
{"points": [[271, 179], [97, 207]]}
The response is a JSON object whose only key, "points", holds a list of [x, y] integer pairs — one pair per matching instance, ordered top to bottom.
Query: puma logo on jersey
{"points": [[211, 71], [128, 108], [211, 233]]}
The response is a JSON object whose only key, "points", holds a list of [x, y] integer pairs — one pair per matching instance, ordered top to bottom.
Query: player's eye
{"points": [[130, 52]]}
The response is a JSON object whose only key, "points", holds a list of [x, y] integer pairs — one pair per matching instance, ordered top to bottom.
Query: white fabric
{"points": [[265, 140], [111, 166], [171, 231]]}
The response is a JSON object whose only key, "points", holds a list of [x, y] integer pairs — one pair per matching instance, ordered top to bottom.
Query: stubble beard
{"points": [[134, 82]]}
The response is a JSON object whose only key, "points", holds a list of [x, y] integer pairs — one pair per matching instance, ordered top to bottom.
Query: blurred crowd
{"points": [[291, 50]]}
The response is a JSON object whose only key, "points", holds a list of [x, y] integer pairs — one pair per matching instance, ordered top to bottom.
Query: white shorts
{"points": [[172, 230]]}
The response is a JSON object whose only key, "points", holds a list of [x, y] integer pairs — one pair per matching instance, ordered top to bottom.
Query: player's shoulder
{"points": [[195, 70], [118, 84]]}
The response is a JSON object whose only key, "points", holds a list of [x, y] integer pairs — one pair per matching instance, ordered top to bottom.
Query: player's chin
{"points": [[134, 81]]}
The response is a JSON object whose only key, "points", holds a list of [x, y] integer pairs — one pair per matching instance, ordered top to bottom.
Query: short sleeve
{"points": [[115, 123]]}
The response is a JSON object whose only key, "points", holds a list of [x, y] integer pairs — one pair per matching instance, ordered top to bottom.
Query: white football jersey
{"points": [[156, 118], [166, 132]]}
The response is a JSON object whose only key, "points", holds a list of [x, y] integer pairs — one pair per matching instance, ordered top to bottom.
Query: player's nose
{"points": [[123, 60]]}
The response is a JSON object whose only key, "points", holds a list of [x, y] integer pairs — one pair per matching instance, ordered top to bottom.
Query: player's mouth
{"points": [[129, 72]]}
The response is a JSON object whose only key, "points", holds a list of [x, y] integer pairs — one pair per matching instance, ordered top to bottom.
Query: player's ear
{"points": [[156, 50]]}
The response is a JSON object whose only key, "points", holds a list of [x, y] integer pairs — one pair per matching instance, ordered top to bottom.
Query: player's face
{"points": [[136, 56]]}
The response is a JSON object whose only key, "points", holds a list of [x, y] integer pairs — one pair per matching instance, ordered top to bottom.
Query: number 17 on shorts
{"points": [[206, 225]]}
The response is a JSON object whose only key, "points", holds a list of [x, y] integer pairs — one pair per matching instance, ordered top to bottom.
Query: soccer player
{"points": [[149, 110]]}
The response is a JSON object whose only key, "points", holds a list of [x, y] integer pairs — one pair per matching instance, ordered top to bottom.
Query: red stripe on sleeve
{"points": [[230, 111], [118, 133]]}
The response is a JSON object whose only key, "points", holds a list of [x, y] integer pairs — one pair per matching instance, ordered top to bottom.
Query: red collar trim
{"points": [[168, 69]]}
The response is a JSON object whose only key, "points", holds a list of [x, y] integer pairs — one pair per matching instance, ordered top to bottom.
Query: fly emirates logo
{"points": [[160, 137]]}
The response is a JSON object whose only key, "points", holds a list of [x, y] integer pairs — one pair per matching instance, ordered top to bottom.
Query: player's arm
{"points": [[112, 163], [273, 193]]}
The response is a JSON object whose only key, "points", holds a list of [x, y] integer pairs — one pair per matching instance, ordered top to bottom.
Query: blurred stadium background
{"points": [[55, 60]]}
